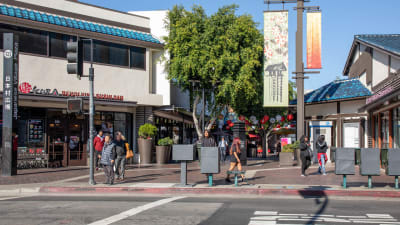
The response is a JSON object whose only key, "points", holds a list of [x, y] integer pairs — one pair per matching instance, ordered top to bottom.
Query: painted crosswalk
{"points": [[276, 218]]}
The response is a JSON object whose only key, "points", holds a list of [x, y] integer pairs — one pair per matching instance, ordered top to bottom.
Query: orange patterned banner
{"points": [[314, 40]]}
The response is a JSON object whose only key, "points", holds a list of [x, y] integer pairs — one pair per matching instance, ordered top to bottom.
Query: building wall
{"points": [[78, 8], [394, 64], [379, 67], [52, 73], [347, 107], [321, 109]]}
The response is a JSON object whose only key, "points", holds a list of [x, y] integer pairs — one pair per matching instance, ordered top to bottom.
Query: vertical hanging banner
{"points": [[314, 40], [276, 79], [10, 103]]}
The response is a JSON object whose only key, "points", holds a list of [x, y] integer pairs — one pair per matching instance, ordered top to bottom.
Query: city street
{"points": [[120, 210]]}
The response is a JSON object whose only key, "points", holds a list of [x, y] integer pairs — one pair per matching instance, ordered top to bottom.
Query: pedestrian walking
{"points": [[207, 140], [98, 144], [222, 146], [322, 147], [235, 153], [305, 155], [108, 156], [120, 162]]}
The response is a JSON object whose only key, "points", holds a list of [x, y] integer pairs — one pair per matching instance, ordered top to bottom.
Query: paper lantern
{"points": [[278, 117], [290, 117], [242, 118], [253, 118], [266, 118], [283, 119], [272, 120], [262, 121], [228, 122], [231, 124], [278, 126]]}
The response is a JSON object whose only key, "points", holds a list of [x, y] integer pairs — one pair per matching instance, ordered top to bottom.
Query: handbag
{"points": [[129, 152], [310, 153]]}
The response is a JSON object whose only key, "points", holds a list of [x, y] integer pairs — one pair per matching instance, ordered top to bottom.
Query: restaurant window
{"points": [[30, 41], [58, 44], [107, 53], [138, 58], [396, 128], [384, 130]]}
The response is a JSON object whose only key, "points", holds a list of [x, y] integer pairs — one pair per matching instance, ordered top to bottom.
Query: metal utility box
{"points": [[183, 152], [345, 159], [210, 160], [370, 165], [393, 168]]}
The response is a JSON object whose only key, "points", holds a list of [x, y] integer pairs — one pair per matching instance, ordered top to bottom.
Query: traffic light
{"points": [[75, 58], [74, 105]]}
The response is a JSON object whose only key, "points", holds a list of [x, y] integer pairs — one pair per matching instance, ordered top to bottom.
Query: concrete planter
{"points": [[145, 150], [162, 154], [286, 159]]}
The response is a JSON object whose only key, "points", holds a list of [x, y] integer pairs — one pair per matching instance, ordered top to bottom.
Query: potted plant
{"points": [[146, 133], [163, 150], [287, 155]]}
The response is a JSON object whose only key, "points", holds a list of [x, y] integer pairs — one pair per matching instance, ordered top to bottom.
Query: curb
{"points": [[221, 191]]}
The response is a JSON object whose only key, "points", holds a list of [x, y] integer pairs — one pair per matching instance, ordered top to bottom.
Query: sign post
{"points": [[10, 103]]}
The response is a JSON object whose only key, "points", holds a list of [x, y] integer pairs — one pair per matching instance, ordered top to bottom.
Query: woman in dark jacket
{"points": [[304, 154], [322, 157]]}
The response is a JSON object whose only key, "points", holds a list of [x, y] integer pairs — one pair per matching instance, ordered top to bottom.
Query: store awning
{"points": [[379, 102], [176, 116]]}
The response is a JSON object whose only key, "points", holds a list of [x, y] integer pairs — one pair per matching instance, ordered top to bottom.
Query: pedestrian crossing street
{"points": [[276, 218]]}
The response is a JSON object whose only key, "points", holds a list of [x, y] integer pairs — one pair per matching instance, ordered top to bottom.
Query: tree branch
{"points": [[195, 120]]}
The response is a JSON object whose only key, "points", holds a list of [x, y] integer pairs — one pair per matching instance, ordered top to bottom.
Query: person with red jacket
{"points": [[98, 144]]}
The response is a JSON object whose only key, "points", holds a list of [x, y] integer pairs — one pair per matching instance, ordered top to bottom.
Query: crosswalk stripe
{"points": [[134, 211], [265, 213], [379, 216]]}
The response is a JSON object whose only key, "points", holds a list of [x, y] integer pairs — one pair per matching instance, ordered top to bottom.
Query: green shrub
{"points": [[147, 131], [165, 141], [291, 147]]}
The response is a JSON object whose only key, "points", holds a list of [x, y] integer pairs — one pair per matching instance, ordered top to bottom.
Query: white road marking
{"points": [[8, 198], [134, 211], [265, 213], [379, 216], [272, 217]]}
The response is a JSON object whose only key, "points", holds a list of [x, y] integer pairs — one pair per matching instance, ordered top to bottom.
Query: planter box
{"points": [[145, 150], [162, 154], [286, 159], [210, 160], [344, 161], [370, 165], [393, 168]]}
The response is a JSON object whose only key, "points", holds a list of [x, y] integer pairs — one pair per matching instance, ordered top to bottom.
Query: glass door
{"points": [[76, 141]]}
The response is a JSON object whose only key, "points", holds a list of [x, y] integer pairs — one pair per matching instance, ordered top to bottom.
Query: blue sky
{"points": [[341, 20]]}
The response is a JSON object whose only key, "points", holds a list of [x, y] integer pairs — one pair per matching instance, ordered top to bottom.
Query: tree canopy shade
{"points": [[223, 52]]}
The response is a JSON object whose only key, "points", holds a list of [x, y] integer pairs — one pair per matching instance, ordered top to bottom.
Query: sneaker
{"points": [[324, 174], [303, 175]]}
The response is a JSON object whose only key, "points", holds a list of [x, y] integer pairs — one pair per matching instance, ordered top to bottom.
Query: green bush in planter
{"points": [[147, 131], [165, 141], [291, 147]]}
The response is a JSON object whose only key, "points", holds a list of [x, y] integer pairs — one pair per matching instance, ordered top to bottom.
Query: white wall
{"points": [[92, 11], [380, 64], [394, 65], [52, 73], [351, 106], [321, 109]]}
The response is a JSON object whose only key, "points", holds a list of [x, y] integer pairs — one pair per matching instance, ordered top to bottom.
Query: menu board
{"points": [[35, 131]]}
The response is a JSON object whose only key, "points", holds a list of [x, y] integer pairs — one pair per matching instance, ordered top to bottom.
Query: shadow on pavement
{"points": [[320, 199]]}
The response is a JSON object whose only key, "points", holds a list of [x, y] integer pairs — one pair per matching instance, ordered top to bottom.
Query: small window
{"points": [[30, 41], [58, 44], [107, 53], [138, 57]]}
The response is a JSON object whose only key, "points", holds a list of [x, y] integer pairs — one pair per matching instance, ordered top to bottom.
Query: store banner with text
{"points": [[314, 40], [276, 86]]}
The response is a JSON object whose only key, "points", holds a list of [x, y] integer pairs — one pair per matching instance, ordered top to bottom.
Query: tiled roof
{"points": [[74, 23], [388, 42], [336, 90]]}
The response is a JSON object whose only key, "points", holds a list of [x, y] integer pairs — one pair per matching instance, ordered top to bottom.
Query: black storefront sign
{"points": [[10, 103]]}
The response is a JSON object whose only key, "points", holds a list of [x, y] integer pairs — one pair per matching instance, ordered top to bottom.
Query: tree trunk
{"points": [[195, 120]]}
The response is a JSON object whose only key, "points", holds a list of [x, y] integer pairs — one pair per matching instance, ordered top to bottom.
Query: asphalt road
{"points": [[95, 210]]}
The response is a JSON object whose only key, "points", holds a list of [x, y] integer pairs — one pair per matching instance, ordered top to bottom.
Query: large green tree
{"points": [[223, 52]]}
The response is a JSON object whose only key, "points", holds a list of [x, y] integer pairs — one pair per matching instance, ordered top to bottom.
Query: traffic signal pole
{"points": [[91, 115]]}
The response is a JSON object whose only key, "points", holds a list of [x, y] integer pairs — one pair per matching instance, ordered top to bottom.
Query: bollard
{"points": [[210, 180], [344, 181], [369, 181], [396, 182]]}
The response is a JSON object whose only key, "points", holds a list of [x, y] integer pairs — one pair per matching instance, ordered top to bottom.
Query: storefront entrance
{"points": [[66, 139]]}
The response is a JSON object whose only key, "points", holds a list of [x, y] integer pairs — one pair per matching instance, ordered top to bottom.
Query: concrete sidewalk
{"points": [[265, 178]]}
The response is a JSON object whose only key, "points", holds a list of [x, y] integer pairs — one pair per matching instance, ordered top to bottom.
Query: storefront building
{"points": [[375, 60], [124, 95], [333, 110]]}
